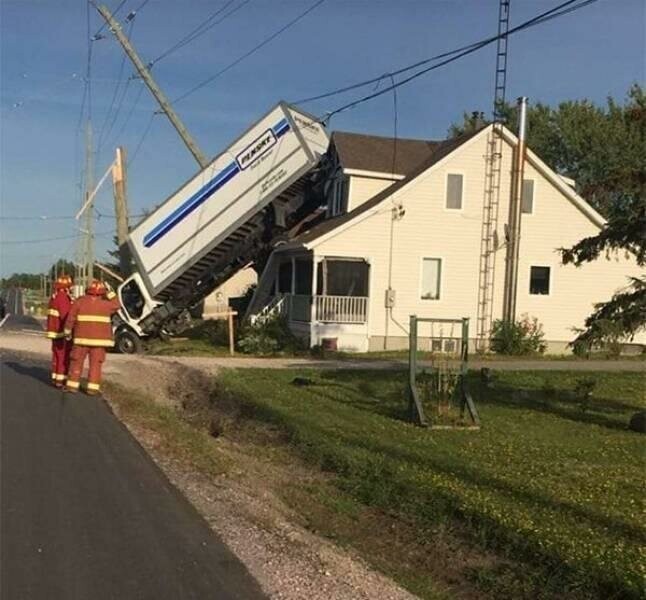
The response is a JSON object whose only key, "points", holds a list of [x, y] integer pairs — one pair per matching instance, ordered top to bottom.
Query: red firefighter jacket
{"points": [[57, 311], [89, 321]]}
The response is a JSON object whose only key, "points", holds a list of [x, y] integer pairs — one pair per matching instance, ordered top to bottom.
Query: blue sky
{"points": [[595, 52]]}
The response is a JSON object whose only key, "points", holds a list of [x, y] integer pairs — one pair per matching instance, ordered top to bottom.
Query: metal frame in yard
{"points": [[461, 392]]}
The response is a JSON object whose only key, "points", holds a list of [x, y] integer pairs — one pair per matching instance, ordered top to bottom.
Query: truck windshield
{"points": [[132, 299]]}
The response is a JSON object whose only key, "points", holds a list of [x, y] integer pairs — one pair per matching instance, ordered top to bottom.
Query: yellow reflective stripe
{"points": [[110, 295], [53, 312], [93, 319], [67, 332], [52, 335], [89, 342], [54, 376], [60, 376], [75, 385], [93, 386]]}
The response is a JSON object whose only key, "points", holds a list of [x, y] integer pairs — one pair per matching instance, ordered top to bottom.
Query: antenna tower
{"points": [[489, 236]]}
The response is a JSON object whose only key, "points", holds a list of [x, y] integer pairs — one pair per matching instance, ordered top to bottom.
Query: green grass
{"points": [[547, 479]]}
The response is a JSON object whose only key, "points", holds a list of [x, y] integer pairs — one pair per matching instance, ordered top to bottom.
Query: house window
{"points": [[454, 186], [338, 197], [527, 197], [431, 276], [337, 277], [539, 281]]}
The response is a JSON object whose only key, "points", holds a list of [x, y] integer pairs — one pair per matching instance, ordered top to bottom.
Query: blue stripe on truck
{"points": [[203, 194]]}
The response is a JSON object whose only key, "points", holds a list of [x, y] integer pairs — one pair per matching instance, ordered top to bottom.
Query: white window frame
{"points": [[446, 191], [338, 201], [531, 214], [441, 279], [550, 289]]}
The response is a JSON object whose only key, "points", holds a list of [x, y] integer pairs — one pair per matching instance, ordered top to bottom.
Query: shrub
{"points": [[272, 336], [611, 336], [522, 338]]}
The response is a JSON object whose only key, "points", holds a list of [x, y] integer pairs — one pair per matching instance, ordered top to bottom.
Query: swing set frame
{"points": [[461, 392]]}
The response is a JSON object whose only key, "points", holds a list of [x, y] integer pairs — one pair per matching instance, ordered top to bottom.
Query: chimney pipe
{"points": [[515, 212]]}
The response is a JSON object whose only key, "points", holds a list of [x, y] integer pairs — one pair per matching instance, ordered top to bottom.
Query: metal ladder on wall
{"points": [[493, 168]]}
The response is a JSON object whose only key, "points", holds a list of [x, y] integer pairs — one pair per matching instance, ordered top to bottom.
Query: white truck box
{"points": [[272, 155]]}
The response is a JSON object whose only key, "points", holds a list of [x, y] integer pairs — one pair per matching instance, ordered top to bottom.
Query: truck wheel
{"points": [[127, 342]]}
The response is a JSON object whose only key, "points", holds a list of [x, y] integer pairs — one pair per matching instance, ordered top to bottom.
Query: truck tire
{"points": [[127, 342]]}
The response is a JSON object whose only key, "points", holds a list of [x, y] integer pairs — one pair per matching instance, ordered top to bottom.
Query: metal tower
{"points": [[489, 236]]}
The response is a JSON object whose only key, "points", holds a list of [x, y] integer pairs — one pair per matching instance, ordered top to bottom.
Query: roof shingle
{"points": [[375, 153]]}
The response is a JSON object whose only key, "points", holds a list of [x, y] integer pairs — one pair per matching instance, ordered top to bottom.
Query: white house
{"points": [[403, 237]]}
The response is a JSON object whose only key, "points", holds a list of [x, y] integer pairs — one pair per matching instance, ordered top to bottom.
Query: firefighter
{"points": [[57, 311], [89, 325]]}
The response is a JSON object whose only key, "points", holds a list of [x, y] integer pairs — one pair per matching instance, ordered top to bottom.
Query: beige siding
{"points": [[364, 188], [427, 229], [236, 286]]}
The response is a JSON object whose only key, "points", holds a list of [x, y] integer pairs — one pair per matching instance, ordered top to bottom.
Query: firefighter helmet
{"points": [[63, 282], [96, 288]]}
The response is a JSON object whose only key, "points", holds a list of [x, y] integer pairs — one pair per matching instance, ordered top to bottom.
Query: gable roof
{"points": [[441, 150], [375, 153]]}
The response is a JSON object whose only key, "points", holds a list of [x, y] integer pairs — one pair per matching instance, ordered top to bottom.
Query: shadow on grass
{"points": [[565, 405], [332, 438]]}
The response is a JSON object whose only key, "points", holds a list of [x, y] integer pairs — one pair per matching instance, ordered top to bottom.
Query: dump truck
{"points": [[229, 214]]}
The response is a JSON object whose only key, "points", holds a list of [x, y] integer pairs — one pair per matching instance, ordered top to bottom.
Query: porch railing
{"points": [[325, 309], [341, 309]]}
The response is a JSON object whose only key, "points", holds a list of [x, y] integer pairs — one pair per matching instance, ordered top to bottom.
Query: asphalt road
{"points": [[17, 319], [86, 514]]}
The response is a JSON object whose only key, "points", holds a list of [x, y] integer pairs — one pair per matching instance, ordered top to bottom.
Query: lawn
{"points": [[548, 479]]}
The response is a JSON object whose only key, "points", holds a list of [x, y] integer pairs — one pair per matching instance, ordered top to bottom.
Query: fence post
{"points": [[416, 408]]}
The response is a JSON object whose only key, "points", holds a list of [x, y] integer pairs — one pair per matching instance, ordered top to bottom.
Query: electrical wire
{"points": [[200, 30], [247, 54], [452, 55], [114, 97], [129, 115], [141, 140], [39, 218], [54, 239]]}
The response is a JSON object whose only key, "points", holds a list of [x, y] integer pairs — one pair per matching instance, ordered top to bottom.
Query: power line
{"points": [[200, 30], [247, 54], [451, 56], [114, 97], [130, 113], [141, 140], [39, 218], [54, 239], [38, 241]]}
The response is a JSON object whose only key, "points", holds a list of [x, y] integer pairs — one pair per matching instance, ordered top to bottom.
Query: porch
{"points": [[324, 299]]}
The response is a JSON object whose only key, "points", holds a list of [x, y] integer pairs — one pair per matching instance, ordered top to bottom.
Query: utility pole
{"points": [[144, 73], [121, 210], [88, 246]]}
